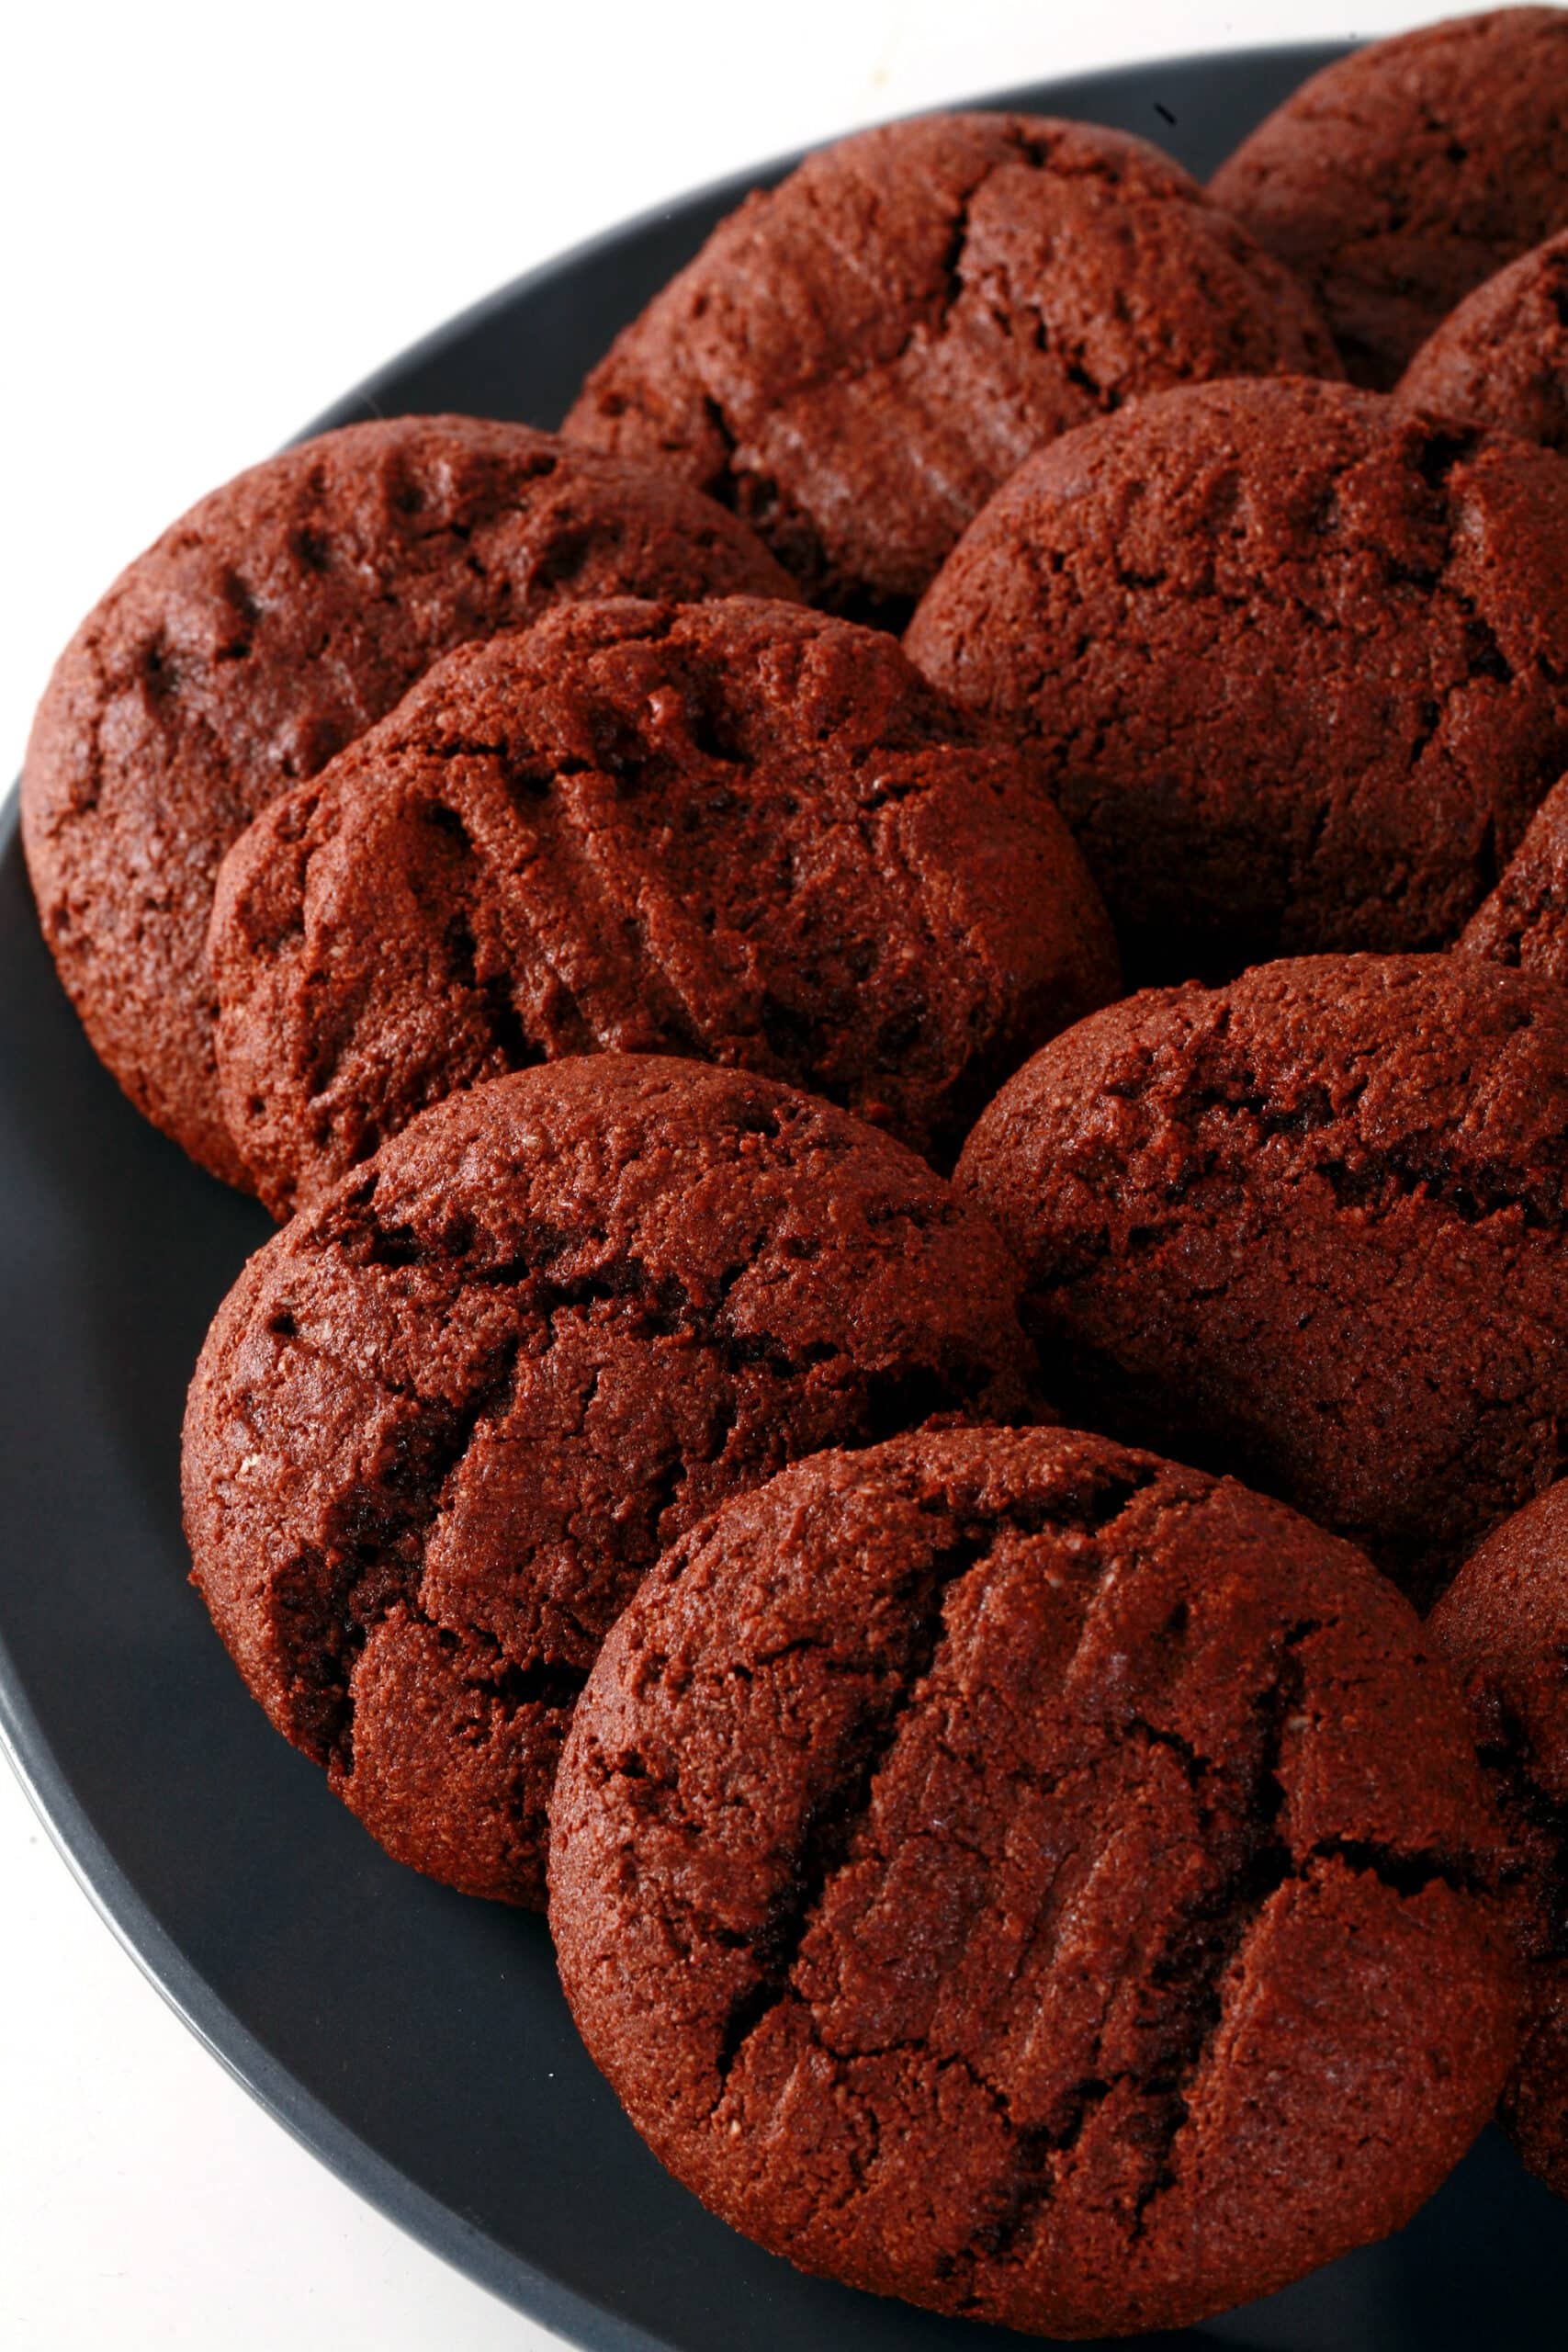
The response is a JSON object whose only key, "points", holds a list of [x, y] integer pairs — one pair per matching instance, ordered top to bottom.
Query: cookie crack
{"points": [[1371, 1181], [1379, 1181], [661, 1307], [374, 1555], [333, 1594], [510, 1686], [834, 1820], [833, 1824], [1537, 1827], [1405, 1874], [1238, 1906], [1235, 1908], [1202, 1949], [1200, 1952]]}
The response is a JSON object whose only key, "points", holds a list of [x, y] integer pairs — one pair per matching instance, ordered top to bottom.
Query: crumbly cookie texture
{"points": [[1398, 178], [859, 358], [1501, 359], [270, 625], [1296, 661], [735, 830], [1523, 921], [1310, 1228], [445, 1420], [1503, 1628], [1010, 1871]]}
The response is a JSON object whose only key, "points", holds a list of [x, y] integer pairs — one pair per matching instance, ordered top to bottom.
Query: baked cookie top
{"points": [[1398, 177], [856, 359], [1501, 359], [266, 628], [1296, 661], [735, 830], [1310, 1228], [445, 1420], [1503, 1628], [1010, 1871]]}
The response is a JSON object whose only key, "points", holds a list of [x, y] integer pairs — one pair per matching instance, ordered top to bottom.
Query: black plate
{"points": [[417, 2042]]}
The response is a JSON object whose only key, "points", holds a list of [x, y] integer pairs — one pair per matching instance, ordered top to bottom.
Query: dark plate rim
{"points": [[732, 185], [442, 2231], [515, 2281]]}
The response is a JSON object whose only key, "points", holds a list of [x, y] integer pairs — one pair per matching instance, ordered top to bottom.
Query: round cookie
{"points": [[1398, 177], [857, 359], [1500, 361], [266, 628], [1298, 662], [737, 829], [1523, 921], [1310, 1228], [445, 1421], [1502, 1627], [1015, 1874]]}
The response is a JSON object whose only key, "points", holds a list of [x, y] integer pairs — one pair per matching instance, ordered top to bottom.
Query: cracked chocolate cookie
{"points": [[1398, 178], [855, 360], [1500, 361], [269, 627], [1297, 662], [737, 829], [1523, 921], [1310, 1228], [445, 1420], [1502, 1627], [1013, 1872]]}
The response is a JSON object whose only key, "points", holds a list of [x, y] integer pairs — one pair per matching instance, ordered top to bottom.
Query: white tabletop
{"points": [[218, 219]]}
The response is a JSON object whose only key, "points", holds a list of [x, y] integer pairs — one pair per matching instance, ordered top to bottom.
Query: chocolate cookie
{"points": [[1395, 180], [1501, 359], [855, 360], [268, 628], [1298, 662], [736, 829], [1523, 921], [1310, 1226], [445, 1421], [1503, 1626], [1015, 1874]]}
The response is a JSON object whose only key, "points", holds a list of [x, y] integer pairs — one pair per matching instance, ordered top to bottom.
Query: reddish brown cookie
{"points": [[1398, 178], [855, 360], [1500, 361], [269, 627], [1298, 662], [736, 829], [1523, 921], [1310, 1226], [445, 1421], [1503, 1626], [1016, 1873]]}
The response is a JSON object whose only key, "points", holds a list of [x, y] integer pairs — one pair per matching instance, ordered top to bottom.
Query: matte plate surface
{"points": [[418, 2041]]}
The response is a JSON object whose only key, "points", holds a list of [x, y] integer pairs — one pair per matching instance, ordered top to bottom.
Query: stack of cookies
{"points": [[908, 999]]}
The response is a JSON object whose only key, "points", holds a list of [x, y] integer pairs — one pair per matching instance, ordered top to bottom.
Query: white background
{"points": [[217, 219]]}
